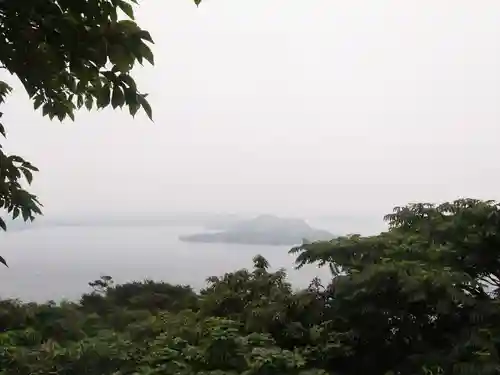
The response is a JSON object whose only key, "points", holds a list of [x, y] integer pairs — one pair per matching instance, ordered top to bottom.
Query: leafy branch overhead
{"points": [[73, 53], [68, 54], [13, 197]]}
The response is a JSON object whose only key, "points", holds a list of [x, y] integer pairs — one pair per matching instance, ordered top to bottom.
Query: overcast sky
{"points": [[287, 106]]}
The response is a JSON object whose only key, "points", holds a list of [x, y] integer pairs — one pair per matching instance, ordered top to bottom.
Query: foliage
{"points": [[67, 54], [12, 169], [423, 294], [420, 298]]}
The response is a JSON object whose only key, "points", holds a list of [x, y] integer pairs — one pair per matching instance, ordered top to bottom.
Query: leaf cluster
{"points": [[69, 54]]}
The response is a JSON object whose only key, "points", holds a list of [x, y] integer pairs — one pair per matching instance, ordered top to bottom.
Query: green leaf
{"points": [[197, 2], [126, 8], [128, 26], [145, 35], [146, 52], [120, 57], [109, 75], [128, 80], [71, 83], [81, 87], [104, 96], [118, 98], [131, 98], [38, 101], [89, 101], [145, 105], [46, 109], [133, 109], [61, 115], [2, 131], [29, 166], [27, 173], [37, 210], [15, 213], [26, 213], [2, 224], [3, 261]]}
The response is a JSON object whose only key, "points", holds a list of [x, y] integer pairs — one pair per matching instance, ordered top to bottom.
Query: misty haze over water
{"points": [[321, 108], [57, 261]]}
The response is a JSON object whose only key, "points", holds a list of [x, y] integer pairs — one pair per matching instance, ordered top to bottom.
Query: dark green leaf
{"points": [[126, 8], [129, 26], [145, 35], [146, 52], [120, 57], [110, 76], [128, 80], [71, 82], [81, 87], [104, 96], [118, 98], [131, 98], [38, 101], [79, 101], [89, 101], [145, 105], [134, 108], [46, 109], [29, 166], [27, 173], [37, 210], [26, 213], [3, 261]]}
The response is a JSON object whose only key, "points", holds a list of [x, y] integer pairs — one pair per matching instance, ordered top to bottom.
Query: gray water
{"points": [[58, 262]]}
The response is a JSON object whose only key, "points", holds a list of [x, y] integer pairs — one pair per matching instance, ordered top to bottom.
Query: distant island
{"points": [[263, 230]]}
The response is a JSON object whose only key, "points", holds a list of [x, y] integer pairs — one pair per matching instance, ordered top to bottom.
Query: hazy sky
{"points": [[287, 106]]}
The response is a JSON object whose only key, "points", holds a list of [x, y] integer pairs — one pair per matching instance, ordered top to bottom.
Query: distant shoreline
{"points": [[263, 230]]}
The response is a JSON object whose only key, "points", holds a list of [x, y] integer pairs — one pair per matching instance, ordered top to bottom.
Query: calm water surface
{"points": [[58, 262]]}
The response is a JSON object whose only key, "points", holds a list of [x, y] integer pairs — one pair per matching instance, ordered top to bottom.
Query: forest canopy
{"points": [[420, 298]]}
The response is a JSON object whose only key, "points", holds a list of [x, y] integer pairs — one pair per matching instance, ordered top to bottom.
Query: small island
{"points": [[263, 230]]}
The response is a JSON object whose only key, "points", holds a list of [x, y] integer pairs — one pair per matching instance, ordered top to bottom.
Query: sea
{"points": [[57, 262]]}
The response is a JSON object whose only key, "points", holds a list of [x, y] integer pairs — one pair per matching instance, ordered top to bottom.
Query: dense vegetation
{"points": [[421, 298]]}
